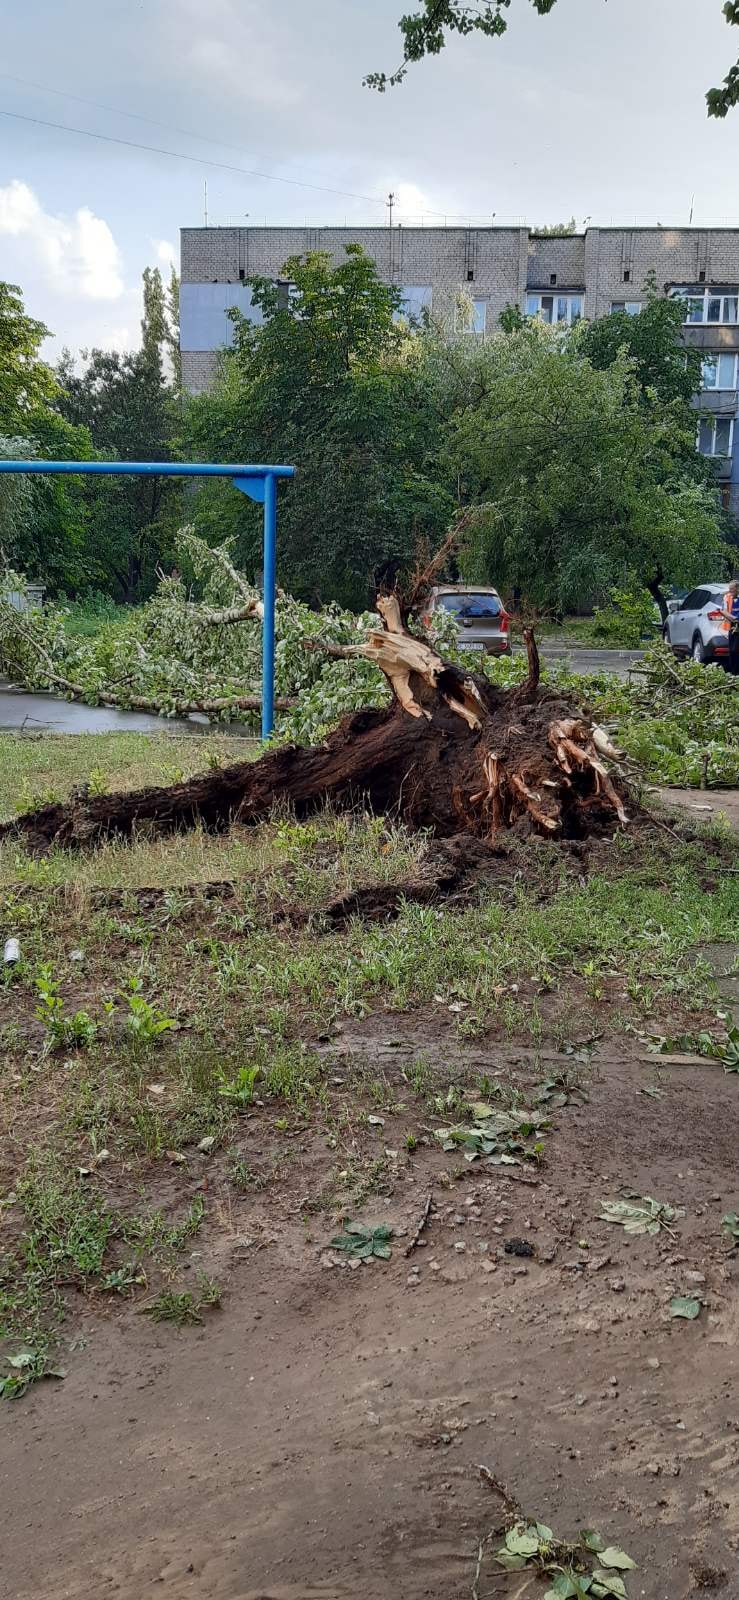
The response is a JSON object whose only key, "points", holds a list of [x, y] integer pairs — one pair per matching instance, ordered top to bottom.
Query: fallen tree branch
{"points": [[138, 702]]}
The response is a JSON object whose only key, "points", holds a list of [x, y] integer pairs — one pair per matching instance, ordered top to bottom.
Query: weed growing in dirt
{"points": [[145, 1022], [63, 1032], [240, 1088], [183, 1307], [28, 1367]]}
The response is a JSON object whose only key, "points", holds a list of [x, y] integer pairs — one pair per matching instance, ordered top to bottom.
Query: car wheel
{"points": [[697, 652]]}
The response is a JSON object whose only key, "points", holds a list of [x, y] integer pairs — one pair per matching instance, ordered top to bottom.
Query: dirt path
{"points": [[319, 1438]]}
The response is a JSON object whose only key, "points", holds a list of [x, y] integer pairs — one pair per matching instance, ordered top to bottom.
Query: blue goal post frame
{"points": [[258, 482]]}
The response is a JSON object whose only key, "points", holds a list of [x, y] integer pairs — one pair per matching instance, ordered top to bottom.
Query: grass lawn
{"points": [[183, 1066]]}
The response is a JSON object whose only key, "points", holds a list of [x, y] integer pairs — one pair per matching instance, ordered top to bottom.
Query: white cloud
{"points": [[166, 252], [78, 254]]}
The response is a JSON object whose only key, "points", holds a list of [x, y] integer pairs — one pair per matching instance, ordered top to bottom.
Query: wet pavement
{"points": [[42, 713]]}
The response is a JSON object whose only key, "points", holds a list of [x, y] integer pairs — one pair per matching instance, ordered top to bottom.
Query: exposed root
{"points": [[452, 754]]}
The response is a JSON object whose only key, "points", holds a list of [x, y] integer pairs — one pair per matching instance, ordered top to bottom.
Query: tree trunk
{"points": [[654, 589], [452, 754]]}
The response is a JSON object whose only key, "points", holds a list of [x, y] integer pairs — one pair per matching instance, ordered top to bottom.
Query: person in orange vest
{"points": [[730, 609]]}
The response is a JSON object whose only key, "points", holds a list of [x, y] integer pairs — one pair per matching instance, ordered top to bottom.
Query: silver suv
{"points": [[481, 617], [694, 627]]}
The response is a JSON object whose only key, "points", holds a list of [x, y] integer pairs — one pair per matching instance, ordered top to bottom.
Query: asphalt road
{"points": [[42, 713]]}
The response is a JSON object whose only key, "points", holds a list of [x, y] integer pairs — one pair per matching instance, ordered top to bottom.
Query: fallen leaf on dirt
{"points": [[640, 1216], [730, 1228], [683, 1305], [591, 1539], [522, 1540], [613, 1557], [608, 1583]]}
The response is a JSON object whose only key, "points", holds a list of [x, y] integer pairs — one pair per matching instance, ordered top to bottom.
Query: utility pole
{"points": [[390, 202]]}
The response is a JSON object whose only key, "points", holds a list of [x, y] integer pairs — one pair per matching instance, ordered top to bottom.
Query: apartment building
{"points": [[558, 278]]}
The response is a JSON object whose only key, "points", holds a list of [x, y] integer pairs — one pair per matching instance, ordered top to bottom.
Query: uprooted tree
{"points": [[451, 752]]}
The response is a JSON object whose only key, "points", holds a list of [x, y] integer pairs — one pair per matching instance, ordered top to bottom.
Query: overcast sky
{"points": [[596, 110]]}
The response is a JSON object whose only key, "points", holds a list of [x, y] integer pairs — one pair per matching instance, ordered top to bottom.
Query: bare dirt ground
{"points": [[320, 1436]]}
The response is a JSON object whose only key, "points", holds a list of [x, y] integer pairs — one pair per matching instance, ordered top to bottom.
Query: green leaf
{"points": [[684, 1305], [546, 1534], [591, 1539], [522, 1540], [613, 1557], [512, 1563], [608, 1583], [562, 1588]]}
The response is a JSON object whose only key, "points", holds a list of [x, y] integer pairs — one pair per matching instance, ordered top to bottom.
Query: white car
{"points": [[694, 627]]}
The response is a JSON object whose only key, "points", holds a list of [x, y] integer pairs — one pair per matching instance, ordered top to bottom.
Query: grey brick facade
{"points": [[581, 274]]}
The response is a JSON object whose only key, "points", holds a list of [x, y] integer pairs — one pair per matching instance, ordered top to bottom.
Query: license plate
{"points": [[471, 644]]}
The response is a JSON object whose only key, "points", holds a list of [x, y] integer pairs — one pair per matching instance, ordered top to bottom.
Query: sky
{"points": [[596, 111]]}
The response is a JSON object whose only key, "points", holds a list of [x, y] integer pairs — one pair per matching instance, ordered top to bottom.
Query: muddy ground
{"points": [[321, 1434]]}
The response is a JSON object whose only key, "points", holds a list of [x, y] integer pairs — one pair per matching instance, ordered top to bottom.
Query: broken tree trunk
{"points": [[452, 753]]}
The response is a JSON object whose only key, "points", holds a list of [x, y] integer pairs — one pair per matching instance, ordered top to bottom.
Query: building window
{"points": [[470, 275], [627, 276], [553, 278], [415, 305], [710, 305], [554, 307], [631, 307], [470, 315], [719, 370], [716, 436]]}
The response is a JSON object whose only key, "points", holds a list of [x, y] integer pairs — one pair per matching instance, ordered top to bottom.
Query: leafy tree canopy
{"points": [[425, 33], [653, 339], [25, 380], [331, 382], [579, 485]]}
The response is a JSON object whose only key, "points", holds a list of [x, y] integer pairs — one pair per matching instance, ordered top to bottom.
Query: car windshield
{"points": [[471, 605]]}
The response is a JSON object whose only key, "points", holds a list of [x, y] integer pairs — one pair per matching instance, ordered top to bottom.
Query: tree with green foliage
{"points": [[425, 32], [556, 230], [665, 367], [26, 382], [331, 382], [126, 402], [579, 485], [42, 524]]}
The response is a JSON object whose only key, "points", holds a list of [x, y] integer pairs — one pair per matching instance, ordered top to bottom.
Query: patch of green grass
{"points": [[183, 1307]]}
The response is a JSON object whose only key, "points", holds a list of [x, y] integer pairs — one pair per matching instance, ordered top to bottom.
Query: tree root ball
{"points": [[452, 754]]}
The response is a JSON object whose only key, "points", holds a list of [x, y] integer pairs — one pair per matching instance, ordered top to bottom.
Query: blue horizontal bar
{"points": [[150, 469]]}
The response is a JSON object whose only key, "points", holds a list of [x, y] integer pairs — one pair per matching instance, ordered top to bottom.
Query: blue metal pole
{"points": [[268, 626]]}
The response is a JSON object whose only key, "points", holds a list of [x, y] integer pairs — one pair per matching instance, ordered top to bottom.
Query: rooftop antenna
{"points": [[205, 201], [390, 202], [692, 204]]}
